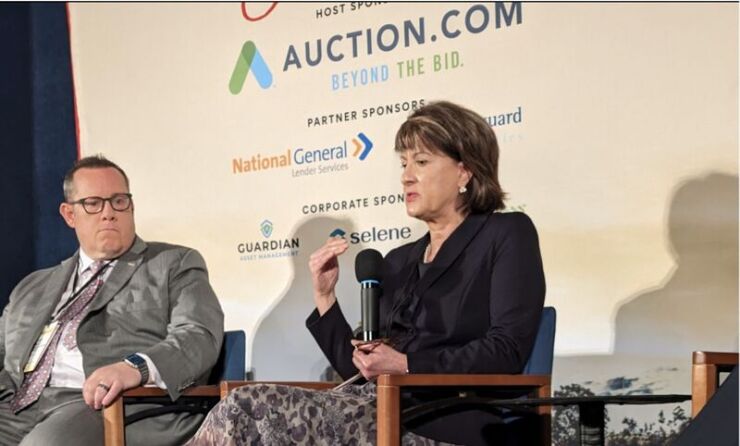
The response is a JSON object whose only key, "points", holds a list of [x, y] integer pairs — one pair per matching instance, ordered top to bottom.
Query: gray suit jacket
{"points": [[156, 301]]}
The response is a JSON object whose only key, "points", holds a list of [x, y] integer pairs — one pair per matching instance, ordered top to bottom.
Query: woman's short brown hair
{"points": [[464, 136]]}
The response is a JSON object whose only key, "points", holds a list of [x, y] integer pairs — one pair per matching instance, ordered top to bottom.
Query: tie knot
{"points": [[95, 266]]}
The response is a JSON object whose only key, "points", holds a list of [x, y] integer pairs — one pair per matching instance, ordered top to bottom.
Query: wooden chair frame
{"points": [[705, 370], [390, 386], [389, 389], [389, 395], [388, 403], [113, 415]]}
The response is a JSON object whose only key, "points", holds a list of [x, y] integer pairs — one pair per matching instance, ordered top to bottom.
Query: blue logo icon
{"points": [[362, 149], [266, 228], [337, 233]]}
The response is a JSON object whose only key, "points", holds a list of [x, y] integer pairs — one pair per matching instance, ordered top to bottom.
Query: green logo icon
{"points": [[249, 59]]}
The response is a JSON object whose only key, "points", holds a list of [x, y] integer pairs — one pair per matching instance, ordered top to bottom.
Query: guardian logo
{"points": [[249, 59], [266, 228], [268, 249]]}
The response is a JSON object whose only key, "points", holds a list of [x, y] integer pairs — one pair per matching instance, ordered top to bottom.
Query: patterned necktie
{"points": [[79, 308], [69, 320]]}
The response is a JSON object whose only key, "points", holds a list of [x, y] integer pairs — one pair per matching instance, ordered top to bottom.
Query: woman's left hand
{"points": [[376, 358]]}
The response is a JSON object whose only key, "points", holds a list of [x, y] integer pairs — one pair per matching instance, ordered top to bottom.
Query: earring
{"points": [[462, 189]]}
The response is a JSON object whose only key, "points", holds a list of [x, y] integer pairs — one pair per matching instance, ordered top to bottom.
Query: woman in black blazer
{"points": [[465, 298]]}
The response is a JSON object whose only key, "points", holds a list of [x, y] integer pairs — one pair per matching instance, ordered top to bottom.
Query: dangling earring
{"points": [[462, 190]]}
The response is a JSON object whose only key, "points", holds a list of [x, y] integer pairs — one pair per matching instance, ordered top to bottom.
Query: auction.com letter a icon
{"points": [[249, 59]]}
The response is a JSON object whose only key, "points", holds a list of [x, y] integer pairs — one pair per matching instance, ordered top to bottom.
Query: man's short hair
{"points": [[89, 162]]}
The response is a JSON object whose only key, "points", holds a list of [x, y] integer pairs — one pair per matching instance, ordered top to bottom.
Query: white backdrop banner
{"points": [[254, 131]]}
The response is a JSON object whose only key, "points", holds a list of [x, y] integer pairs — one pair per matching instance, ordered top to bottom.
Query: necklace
{"points": [[427, 253]]}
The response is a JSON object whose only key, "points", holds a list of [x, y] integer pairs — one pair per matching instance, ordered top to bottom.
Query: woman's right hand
{"points": [[325, 272]]}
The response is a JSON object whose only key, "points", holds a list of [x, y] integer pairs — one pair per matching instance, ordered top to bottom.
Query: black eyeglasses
{"points": [[95, 205]]}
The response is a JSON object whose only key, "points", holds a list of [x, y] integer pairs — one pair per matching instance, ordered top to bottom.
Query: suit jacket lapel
{"points": [[451, 249], [122, 272], [55, 287], [49, 299]]}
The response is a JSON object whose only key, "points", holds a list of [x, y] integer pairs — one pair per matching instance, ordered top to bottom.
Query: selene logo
{"points": [[249, 59], [337, 233], [374, 234]]}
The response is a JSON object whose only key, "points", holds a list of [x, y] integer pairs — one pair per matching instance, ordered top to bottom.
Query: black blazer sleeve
{"points": [[333, 335]]}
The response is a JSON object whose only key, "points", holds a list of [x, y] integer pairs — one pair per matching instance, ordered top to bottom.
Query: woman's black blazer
{"points": [[475, 309]]}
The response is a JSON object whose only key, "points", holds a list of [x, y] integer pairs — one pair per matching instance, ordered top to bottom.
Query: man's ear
{"points": [[66, 210]]}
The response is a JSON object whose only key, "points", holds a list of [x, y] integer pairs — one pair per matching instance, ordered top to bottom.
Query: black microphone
{"points": [[368, 267]]}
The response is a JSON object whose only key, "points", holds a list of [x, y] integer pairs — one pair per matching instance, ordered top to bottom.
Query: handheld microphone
{"points": [[368, 267]]}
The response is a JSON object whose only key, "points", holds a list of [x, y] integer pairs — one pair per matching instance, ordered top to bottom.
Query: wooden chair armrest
{"points": [[716, 358], [705, 370], [415, 380], [227, 386], [389, 392], [389, 396], [113, 415]]}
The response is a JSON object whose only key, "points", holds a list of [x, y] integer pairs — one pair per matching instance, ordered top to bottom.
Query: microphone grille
{"points": [[368, 265]]}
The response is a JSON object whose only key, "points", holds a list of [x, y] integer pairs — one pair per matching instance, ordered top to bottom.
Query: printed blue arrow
{"points": [[368, 145]]}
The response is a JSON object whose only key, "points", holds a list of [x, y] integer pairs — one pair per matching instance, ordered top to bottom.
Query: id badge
{"points": [[41, 345]]}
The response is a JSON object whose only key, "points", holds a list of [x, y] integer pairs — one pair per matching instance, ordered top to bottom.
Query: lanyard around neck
{"points": [[76, 294]]}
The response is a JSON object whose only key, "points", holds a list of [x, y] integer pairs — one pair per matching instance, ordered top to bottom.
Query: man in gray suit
{"points": [[119, 314]]}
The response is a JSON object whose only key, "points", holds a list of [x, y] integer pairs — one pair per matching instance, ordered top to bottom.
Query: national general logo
{"points": [[363, 150]]}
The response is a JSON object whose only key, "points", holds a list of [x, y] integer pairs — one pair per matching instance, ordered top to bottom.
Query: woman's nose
{"points": [[407, 175]]}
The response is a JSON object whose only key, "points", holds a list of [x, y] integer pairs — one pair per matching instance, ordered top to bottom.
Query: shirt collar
{"points": [[85, 262]]}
